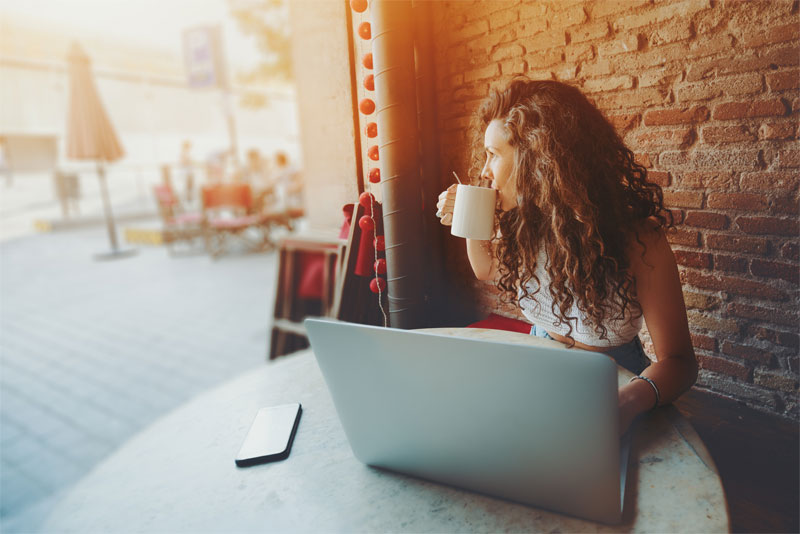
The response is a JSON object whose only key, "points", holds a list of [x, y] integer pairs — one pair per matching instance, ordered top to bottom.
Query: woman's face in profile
{"points": [[499, 164]]}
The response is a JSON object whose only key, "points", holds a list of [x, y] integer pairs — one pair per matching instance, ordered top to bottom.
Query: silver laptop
{"points": [[529, 424]]}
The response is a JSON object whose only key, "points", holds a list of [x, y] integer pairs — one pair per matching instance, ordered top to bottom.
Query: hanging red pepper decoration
{"points": [[359, 6], [364, 30], [367, 60], [369, 82], [367, 106], [371, 130], [373, 153], [375, 175], [366, 199], [366, 223], [380, 243], [380, 266], [377, 285]]}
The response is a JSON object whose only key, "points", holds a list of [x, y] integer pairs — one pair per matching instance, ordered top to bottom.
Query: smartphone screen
{"points": [[271, 435]]}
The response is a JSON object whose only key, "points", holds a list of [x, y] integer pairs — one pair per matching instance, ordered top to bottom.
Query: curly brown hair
{"points": [[580, 195]]}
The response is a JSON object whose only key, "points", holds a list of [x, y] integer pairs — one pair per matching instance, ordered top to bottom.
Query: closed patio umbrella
{"points": [[90, 134]]}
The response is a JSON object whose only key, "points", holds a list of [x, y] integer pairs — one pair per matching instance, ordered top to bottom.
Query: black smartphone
{"points": [[271, 435]]}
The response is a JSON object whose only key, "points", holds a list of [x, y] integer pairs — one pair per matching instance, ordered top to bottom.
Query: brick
{"points": [[613, 7], [532, 10], [661, 14], [568, 17], [498, 19], [471, 29], [678, 30], [589, 32], [759, 35], [545, 40], [621, 45], [507, 51], [579, 53], [545, 58], [511, 67], [567, 72], [483, 73], [658, 77], [781, 81], [614, 83], [745, 84], [705, 90], [471, 92], [634, 99], [746, 110], [676, 116], [623, 121], [777, 130], [727, 134], [673, 138], [643, 159], [743, 159], [788, 159], [659, 177], [707, 180], [770, 181], [683, 199], [738, 201], [785, 205], [677, 215], [706, 219], [769, 226], [688, 238], [739, 244], [791, 251], [699, 260], [735, 264], [772, 269], [737, 286], [699, 301], [763, 313], [713, 324], [784, 339], [700, 341], [747, 353], [793, 363], [725, 367], [775, 380]]}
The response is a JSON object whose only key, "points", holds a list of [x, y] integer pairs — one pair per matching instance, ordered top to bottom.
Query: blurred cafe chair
{"points": [[228, 214], [179, 226]]}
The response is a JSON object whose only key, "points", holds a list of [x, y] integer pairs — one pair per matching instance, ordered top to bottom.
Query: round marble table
{"points": [[179, 474]]}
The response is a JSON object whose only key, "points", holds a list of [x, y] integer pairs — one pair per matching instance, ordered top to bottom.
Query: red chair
{"points": [[227, 213], [178, 225]]}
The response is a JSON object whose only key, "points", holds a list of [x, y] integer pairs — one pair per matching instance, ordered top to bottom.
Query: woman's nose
{"points": [[485, 172]]}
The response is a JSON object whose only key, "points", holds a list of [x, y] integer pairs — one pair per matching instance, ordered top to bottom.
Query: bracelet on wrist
{"points": [[653, 385]]}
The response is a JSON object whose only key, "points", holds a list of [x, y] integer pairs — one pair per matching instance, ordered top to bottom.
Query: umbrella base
{"points": [[116, 254]]}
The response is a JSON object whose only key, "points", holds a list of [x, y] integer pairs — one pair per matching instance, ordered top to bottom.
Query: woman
{"points": [[580, 242]]}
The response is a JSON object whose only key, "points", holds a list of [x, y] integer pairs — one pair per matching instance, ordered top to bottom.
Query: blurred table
{"points": [[179, 475]]}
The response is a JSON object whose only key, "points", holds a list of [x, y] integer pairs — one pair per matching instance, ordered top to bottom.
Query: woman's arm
{"points": [[480, 253], [659, 293]]}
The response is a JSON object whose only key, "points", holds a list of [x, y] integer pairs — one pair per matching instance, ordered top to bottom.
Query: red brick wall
{"points": [[706, 94]]}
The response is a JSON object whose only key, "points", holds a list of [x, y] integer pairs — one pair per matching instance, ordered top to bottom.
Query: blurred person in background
{"points": [[187, 168], [289, 184]]}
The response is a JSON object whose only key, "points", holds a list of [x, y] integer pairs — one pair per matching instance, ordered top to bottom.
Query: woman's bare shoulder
{"points": [[648, 244]]}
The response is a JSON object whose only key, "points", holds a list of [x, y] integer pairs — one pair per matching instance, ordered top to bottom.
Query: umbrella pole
{"points": [[112, 230]]}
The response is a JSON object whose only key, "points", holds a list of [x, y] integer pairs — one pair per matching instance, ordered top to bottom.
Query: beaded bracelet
{"points": [[653, 384]]}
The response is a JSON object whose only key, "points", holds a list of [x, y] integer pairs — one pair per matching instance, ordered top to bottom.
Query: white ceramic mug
{"points": [[473, 213]]}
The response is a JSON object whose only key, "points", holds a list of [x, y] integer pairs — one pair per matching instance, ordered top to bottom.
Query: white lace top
{"points": [[537, 308]]}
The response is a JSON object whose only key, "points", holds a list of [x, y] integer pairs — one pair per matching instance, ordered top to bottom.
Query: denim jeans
{"points": [[631, 355]]}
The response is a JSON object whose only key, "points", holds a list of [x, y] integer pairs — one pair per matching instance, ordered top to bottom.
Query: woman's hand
{"points": [[445, 205]]}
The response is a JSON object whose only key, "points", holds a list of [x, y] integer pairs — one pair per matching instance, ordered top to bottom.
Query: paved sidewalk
{"points": [[92, 352]]}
